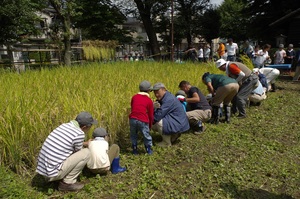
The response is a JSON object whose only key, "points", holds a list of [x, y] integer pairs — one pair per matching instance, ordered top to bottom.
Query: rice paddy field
{"points": [[257, 157]]}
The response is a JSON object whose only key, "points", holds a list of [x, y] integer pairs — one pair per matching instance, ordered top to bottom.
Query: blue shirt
{"points": [[259, 90], [172, 114]]}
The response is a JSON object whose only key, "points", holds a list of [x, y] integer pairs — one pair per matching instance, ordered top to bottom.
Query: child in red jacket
{"points": [[141, 117]]}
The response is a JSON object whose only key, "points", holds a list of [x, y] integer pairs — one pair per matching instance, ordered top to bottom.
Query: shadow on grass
{"points": [[40, 184], [234, 191]]}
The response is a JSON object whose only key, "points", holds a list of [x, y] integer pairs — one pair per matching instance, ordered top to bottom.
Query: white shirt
{"points": [[231, 49], [207, 52], [200, 55], [279, 56], [261, 57], [99, 154]]}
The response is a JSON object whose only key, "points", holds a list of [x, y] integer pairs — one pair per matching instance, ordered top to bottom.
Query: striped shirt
{"points": [[61, 143]]}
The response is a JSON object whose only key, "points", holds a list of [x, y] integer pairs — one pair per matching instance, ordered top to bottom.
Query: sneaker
{"points": [[70, 187]]}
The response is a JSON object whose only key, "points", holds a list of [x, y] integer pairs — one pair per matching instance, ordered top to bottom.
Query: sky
{"points": [[217, 2]]}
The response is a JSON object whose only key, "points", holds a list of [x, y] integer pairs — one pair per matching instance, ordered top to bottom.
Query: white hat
{"points": [[220, 63], [255, 70]]}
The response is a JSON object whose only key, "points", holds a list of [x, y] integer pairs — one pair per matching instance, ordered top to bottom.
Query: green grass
{"points": [[257, 157]]}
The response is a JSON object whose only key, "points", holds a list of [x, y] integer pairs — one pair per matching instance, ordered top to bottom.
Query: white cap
{"points": [[220, 62], [255, 70]]}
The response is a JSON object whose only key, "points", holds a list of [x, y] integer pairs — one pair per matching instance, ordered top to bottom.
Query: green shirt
{"points": [[219, 80]]}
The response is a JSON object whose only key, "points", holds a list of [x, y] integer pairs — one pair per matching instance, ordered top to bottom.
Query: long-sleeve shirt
{"points": [[142, 108], [172, 114]]}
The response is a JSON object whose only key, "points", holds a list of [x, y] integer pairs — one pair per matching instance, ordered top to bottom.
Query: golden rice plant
{"points": [[99, 50], [247, 61], [33, 103]]}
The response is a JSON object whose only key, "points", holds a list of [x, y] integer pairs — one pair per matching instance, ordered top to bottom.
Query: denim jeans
{"points": [[231, 58], [135, 127]]}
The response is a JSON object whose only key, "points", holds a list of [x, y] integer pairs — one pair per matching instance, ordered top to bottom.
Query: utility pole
{"points": [[172, 30]]}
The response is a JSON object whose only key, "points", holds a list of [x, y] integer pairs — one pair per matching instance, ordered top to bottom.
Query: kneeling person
{"points": [[169, 116], [103, 157]]}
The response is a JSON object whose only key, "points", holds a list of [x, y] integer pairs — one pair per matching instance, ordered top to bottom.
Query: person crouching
{"points": [[103, 157]]}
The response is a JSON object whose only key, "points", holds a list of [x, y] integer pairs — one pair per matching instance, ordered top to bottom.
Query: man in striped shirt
{"points": [[62, 157]]}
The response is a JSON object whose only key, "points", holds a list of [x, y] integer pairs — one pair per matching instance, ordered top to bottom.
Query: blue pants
{"points": [[231, 58], [135, 127]]}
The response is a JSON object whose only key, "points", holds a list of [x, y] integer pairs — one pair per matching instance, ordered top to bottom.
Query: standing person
{"points": [[248, 49], [232, 50], [221, 51], [206, 53], [191, 54], [200, 54], [280, 55], [290, 55], [254, 56], [262, 56], [297, 71], [270, 74], [247, 80], [223, 89], [198, 110], [141, 117], [170, 119], [62, 157], [103, 158]]}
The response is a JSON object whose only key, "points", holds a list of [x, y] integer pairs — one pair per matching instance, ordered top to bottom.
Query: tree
{"points": [[144, 8], [65, 10], [188, 14], [260, 14], [17, 19], [98, 20], [233, 21], [209, 24]]}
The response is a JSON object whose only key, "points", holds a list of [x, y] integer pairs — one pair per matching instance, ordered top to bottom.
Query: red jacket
{"points": [[142, 108]]}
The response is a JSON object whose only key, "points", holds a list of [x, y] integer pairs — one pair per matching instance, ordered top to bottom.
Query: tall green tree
{"points": [[145, 8], [65, 10], [260, 14], [188, 16], [17, 19], [100, 20], [234, 23], [209, 24]]}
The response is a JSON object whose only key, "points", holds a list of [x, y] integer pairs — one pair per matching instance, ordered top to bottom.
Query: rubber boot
{"points": [[273, 88], [227, 112], [215, 115], [199, 128], [166, 141], [134, 149], [149, 149], [115, 166]]}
